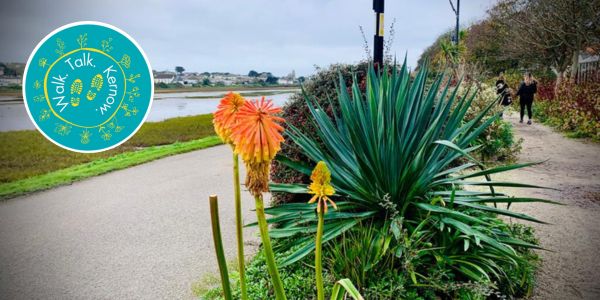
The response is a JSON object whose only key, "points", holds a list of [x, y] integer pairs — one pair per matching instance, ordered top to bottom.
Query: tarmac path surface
{"points": [[139, 233]]}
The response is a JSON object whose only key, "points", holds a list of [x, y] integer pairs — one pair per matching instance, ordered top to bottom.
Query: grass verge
{"points": [[27, 153], [101, 166]]}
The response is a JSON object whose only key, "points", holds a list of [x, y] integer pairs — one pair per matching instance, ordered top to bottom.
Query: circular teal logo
{"points": [[88, 86]]}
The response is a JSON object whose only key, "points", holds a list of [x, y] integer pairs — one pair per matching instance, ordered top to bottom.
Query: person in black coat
{"points": [[503, 90], [526, 91]]}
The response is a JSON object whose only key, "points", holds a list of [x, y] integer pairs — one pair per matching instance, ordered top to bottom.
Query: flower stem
{"points": [[239, 226], [216, 231], [266, 241], [318, 252]]}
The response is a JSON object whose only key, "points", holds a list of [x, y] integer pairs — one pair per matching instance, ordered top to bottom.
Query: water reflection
{"points": [[13, 115]]}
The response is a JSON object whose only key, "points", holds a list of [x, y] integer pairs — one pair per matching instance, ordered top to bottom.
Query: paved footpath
{"points": [[139, 233], [570, 270]]}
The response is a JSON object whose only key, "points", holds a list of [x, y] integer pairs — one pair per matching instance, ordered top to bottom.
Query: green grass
{"points": [[12, 90], [27, 153], [27, 159], [101, 166]]}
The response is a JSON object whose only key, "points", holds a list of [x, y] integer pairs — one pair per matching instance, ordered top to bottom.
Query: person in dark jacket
{"points": [[503, 90], [526, 91]]}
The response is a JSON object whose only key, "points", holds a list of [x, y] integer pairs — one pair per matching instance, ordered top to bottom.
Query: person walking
{"points": [[504, 91], [526, 91]]}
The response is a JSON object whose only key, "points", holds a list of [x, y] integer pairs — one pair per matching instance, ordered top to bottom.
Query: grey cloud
{"points": [[239, 35]]}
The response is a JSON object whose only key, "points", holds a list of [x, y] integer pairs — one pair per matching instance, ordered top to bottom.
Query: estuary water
{"points": [[13, 115]]}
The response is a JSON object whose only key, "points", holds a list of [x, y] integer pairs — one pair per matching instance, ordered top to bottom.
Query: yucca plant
{"points": [[397, 152]]}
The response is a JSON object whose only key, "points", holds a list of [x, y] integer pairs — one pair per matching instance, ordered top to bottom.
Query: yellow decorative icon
{"points": [[82, 40], [106, 45], [60, 47], [125, 61], [42, 62], [133, 77], [97, 83], [76, 88], [134, 93], [90, 95], [39, 98], [129, 112], [44, 115], [62, 129], [104, 133], [85, 136], [106, 136]]}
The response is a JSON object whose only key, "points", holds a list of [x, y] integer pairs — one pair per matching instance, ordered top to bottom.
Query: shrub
{"points": [[322, 86], [574, 108], [498, 140], [391, 151], [385, 276], [298, 280], [387, 280]]}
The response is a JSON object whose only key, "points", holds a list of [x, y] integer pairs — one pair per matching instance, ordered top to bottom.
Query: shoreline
{"points": [[17, 97]]}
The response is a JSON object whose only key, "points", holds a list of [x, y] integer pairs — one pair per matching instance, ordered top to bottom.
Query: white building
{"points": [[164, 77], [288, 79], [10, 80]]}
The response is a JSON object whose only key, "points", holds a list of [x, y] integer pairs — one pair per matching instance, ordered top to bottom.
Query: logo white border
{"points": [[48, 36]]}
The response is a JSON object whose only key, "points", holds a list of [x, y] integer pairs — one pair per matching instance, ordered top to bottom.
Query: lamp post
{"points": [[457, 13], [379, 30]]}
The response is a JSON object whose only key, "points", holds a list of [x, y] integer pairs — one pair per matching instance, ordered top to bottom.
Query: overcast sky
{"points": [[239, 35]]}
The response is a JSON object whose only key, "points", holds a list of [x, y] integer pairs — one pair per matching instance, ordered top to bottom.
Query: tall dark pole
{"points": [[457, 13], [457, 17], [379, 30]]}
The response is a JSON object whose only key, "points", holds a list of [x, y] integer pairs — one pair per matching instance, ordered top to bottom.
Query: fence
{"points": [[589, 69]]}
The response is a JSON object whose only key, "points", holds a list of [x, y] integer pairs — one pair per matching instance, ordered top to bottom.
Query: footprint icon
{"points": [[96, 84], [76, 88]]}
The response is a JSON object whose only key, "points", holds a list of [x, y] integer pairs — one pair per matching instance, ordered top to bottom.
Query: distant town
{"points": [[11, 75], [182, 78]]}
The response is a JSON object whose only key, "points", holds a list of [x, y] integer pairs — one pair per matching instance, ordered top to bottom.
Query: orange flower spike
{"points": [[225, 117], [257, 134], [257, 138], [320, 187]]}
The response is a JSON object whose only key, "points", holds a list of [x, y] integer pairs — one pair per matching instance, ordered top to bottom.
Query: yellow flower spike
{"points": [[225, 117], [257, 138], [321, 187]]}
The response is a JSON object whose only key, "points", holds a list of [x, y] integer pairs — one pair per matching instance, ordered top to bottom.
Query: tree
{"points": [[547, 32], [484, 48], [443, 54], [179, 69], [8, 71], [253, 73], [271, 79], [301, 79], [205, 81]]}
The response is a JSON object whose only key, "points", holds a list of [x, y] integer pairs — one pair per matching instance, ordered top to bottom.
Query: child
{"points": [[504, 91]]}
